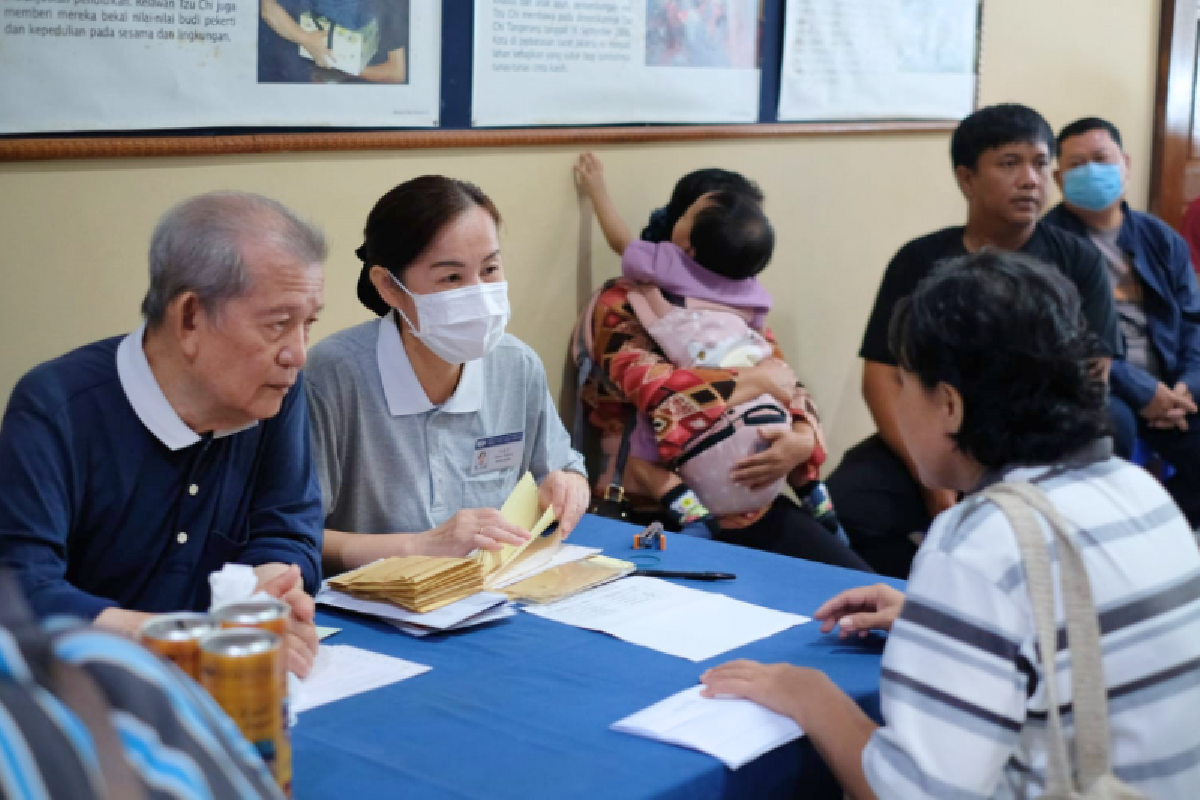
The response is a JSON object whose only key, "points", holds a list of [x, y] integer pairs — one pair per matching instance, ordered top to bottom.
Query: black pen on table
{"points": [[694, 576]]}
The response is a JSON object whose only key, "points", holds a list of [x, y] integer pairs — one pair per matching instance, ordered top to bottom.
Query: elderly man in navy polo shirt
{"points": [[1155, 386], [133, 467]]}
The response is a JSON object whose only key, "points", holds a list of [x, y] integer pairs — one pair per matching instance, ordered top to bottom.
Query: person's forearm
{"points": [[281, 22], [390, 71], [611, 225], [345, 551], [122, 621], [839, 730]]}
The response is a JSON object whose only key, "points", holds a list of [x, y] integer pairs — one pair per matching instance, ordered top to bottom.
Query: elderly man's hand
{"points": [[568, 493], [285, 582]]}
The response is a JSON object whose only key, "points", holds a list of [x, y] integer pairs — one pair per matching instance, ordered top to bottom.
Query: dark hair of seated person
{"points": [[1087, 125], [997, 126], [688, 190], [406, 220], [732, 237], [1007, 332]]}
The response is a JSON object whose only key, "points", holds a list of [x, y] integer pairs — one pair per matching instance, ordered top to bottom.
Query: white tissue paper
{"points": [[234, 583]]}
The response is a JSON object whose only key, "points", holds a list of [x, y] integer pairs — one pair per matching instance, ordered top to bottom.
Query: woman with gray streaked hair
{"points": [[133, 467]]}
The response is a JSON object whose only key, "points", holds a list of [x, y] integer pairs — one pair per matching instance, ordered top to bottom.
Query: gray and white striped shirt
{"points": [[961, 684]]}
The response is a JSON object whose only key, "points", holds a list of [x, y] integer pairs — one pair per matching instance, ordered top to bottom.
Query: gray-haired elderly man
{"points": [[133, 467]]}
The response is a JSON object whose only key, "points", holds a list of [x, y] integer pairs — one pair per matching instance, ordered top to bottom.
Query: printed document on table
{"points": [[671, 619], [341, 671], [734, 730]]}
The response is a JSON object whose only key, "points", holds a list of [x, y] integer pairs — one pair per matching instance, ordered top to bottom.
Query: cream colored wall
{"points": [[73, 234]]}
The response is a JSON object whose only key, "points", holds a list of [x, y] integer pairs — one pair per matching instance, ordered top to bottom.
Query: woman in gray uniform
{"points": [[425, 419]]}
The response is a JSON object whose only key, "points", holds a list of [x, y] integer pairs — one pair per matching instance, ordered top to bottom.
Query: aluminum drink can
{"points": [[177, 637], [240, 668]]}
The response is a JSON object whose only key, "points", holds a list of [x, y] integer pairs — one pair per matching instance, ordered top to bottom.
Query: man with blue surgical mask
{"points": [[1154, 388]]}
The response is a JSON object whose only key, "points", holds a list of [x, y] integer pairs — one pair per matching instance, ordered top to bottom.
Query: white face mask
{"points": [[463, 324]]}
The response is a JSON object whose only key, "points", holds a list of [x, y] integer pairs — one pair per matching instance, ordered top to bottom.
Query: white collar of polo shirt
{"points": [[402, 389], [147, 398]]}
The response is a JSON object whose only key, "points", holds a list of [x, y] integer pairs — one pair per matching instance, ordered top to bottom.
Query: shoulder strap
{"points": [[1019, 502]]}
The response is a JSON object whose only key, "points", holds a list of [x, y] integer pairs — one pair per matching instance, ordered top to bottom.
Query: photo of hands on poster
{"points": [[333, 41], [122, 65]]}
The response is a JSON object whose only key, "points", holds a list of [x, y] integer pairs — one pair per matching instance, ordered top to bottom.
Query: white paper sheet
{"points": [[878, 59], [617, 61], [491, 615], [439, 619], [671, 619], [324, 632], [341, 671], [733, 730]]}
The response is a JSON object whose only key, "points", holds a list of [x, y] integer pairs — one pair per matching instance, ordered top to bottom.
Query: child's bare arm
{"points": [[589, 174]]}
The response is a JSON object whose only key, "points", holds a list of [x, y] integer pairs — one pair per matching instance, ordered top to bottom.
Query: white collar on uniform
{"points": [[401, 387], [147, 398]]}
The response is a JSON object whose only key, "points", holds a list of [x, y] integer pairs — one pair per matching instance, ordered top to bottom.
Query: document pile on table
{"points": [[417, 583], [425, 583], [474, 610], [671, 619], [734, 730]]}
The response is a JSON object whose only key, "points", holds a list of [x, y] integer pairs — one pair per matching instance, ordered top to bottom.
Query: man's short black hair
{"points": [[1087, 125], [996, 126], [733, 237], [1008, 333]]}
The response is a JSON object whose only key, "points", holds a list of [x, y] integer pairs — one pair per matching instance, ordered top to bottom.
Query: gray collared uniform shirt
{"points": [[389, 461]]}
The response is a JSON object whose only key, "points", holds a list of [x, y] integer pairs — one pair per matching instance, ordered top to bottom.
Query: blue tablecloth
{"points": [[521, 708]]}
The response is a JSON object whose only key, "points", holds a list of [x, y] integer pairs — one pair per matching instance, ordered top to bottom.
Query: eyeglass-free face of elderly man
{"points": [[133, 467]]}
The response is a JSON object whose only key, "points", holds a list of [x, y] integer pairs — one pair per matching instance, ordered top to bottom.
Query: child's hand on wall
{"points": [[589, 175]]}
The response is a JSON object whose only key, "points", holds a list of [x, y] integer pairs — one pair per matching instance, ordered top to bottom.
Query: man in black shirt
{"points": [[1001, 157]]}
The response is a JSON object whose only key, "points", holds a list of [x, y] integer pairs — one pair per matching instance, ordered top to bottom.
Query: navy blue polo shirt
{"points": [[99, 508]]}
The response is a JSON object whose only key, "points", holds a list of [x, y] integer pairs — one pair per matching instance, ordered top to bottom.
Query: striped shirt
{"points": [[961, 685], [178, 742]]}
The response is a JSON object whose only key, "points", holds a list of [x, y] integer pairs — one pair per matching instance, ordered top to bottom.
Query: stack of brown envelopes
{"points": [[417, 583], [425, 583]]}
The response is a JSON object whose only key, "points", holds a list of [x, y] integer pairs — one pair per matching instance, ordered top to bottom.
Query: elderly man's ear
{"points": [[183, 321]]}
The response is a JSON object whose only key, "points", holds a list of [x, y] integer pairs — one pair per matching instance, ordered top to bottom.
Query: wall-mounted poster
{"points": [[879, 59], [548, 62], [90, 65]]}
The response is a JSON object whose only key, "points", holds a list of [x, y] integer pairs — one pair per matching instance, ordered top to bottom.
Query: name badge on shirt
{"points": [[497, 453]]}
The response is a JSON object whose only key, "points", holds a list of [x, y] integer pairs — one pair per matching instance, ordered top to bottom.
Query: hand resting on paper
{"points": [[568, 493], [284, 582], [861, 610], [779, 687]]}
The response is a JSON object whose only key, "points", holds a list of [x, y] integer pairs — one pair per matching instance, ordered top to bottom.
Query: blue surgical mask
{"points": [[1093, 186]]}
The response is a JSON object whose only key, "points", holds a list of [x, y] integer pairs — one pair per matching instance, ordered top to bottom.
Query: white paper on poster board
{"points": [[878, 59], [548, 62], [82, 65]]}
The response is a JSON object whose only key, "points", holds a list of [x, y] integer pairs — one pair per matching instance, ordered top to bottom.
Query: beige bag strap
{"points": [[1018, 501]]}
